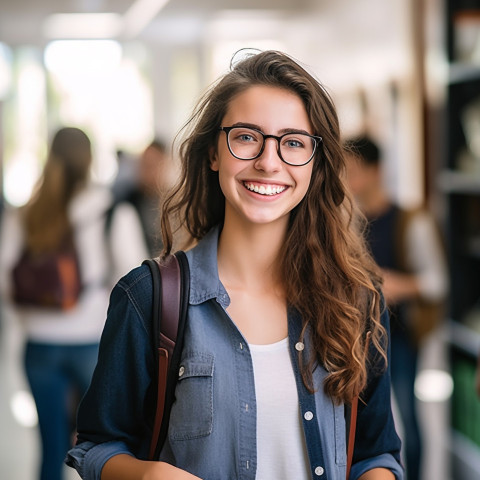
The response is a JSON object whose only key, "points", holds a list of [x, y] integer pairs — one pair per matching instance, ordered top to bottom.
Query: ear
{"points": [[213, 159]]}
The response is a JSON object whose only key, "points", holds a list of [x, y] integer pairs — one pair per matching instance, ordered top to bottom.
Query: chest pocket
{"points": [[192, 411]]}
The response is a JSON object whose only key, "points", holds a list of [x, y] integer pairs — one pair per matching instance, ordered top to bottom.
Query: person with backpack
{"points": [[407, 245], [55, 278], [285, 320]]}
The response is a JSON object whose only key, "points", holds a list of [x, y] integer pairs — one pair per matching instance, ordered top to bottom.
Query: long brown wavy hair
{"points": [[66, 170], [330, 279]]}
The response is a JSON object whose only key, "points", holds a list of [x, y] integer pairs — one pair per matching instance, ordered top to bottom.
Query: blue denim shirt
{"points": [[212, 430]]}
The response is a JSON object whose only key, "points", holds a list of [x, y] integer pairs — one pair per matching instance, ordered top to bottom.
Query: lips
{"points": [[264, 189]]}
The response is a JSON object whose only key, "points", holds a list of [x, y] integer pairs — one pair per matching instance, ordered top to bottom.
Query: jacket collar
{"points": [[204, 281]]}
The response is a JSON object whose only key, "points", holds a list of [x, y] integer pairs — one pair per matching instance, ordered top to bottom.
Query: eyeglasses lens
{"points": [[295, 148]]}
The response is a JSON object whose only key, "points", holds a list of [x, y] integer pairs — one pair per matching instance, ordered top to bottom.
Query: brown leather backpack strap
{"points": [[170, 308], [166, 312], [161, 392], [353, 418], [351, 434]]}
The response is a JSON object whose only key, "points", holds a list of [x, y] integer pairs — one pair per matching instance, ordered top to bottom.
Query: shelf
{"points": [[463, 72], [450, 181], [461, 191], [473, 246], [463, 337], [465, 457]]}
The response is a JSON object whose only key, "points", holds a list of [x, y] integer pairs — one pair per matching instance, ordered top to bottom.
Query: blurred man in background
{"points": [[407, 246]]}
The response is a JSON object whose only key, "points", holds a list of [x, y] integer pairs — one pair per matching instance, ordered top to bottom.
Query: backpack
{"points": [[48, 280], [171, 281], [423, 316]]}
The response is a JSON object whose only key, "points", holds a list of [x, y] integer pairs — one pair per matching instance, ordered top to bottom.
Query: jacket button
{"points": [[299, 346], [181, 371], [308, 415], [319, 471]]}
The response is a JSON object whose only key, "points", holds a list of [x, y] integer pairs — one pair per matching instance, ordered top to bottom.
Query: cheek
{"points": [[303, 185]]}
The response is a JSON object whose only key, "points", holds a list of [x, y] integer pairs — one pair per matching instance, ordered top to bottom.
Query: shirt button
{"points": [[299, 346], [181, 371], [308, 415], [319, 471]]}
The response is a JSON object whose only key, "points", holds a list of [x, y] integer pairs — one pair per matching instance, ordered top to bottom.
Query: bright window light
{"points": [[70, 57], [101, 87], [26, 141], [21, 175], [433, 386], [23, 409]]}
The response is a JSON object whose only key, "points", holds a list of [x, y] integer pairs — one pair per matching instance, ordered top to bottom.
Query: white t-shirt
{"points": [[425, 257], [281, 448]]}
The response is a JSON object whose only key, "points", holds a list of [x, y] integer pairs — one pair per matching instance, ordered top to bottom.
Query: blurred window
{"points": [[100, 86]]}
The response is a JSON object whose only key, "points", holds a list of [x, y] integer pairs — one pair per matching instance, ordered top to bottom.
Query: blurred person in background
{"points": [[152, 175], [408, 247], [62, 343]]}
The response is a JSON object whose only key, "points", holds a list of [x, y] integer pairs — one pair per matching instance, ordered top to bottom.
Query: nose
{"points": [[269, 160]]}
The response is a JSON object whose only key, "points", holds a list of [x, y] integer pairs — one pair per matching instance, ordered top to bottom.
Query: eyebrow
{"points": [[280, 132]]}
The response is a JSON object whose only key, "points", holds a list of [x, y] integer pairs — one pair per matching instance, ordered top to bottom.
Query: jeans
{"points": [[403, 364], [58, 376]]}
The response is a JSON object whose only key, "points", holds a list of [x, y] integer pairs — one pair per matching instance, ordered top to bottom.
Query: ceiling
{"points": [[21, 21]]}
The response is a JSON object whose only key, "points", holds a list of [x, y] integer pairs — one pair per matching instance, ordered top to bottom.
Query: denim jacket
{"points": [[212, 429]]}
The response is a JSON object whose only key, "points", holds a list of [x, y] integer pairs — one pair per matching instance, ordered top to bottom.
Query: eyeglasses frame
{"points": [[317, 141]]}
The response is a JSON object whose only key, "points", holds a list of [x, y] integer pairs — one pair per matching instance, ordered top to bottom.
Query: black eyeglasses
{"points": [[293, 148]]}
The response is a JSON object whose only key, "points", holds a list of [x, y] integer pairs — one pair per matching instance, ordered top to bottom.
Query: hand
{"points": [[398, 286], [126, 467], [162, 470], [378, 474]]}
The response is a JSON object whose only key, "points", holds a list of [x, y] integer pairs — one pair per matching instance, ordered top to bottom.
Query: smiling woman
{"points": [[245, 156], [285, 319]]}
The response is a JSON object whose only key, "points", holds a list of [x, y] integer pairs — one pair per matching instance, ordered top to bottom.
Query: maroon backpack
{"points": [[50, 279]]}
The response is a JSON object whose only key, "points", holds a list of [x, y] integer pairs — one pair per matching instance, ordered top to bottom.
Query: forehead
{"points": [[271, 108]]}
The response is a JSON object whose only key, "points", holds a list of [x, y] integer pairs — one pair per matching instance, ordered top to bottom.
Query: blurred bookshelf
{"points": [[458, 181]]}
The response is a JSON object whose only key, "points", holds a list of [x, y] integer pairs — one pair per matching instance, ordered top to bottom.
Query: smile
{"points": [[265, 189]]}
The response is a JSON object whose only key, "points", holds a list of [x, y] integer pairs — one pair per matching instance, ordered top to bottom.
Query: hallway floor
{"points": [[19, 447]]}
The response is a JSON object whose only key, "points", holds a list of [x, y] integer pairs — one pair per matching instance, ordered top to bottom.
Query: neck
{"points": [[249, 257]]}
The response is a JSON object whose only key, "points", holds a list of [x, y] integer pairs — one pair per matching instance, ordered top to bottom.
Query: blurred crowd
{"points": [[60, 256]]}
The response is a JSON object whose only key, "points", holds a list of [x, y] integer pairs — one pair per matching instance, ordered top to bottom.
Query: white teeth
{"points": [[265, 190]]}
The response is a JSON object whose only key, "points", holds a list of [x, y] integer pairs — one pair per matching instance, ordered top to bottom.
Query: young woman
{"points": [[282, 295], [61, 345]]}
